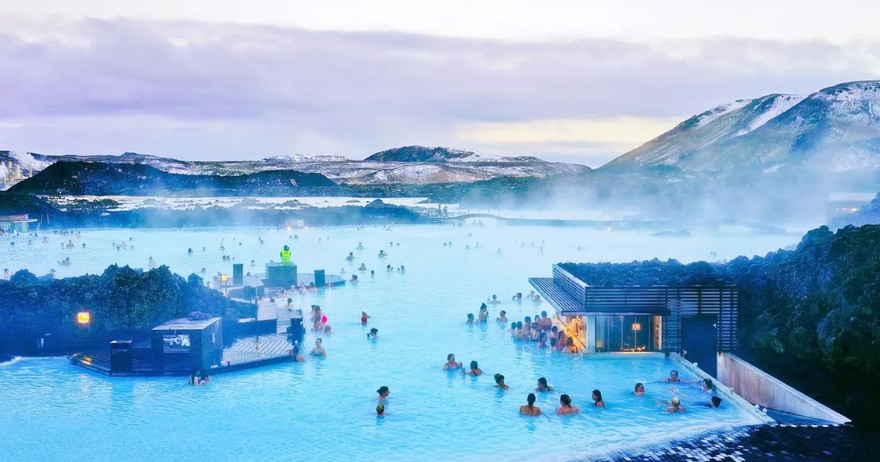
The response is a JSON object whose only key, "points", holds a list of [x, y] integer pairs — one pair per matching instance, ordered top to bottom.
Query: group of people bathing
{"points": [[540, 329], [565, 404], [529, 409]]}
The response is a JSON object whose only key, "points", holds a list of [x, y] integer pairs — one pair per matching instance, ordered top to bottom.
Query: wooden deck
{"points": [[245, 353]]}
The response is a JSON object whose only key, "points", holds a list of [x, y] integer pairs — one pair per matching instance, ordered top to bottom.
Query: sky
{"points": [[565, 80]]}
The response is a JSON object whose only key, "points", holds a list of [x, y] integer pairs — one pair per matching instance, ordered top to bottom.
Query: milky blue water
{"points": [[324, 409]]}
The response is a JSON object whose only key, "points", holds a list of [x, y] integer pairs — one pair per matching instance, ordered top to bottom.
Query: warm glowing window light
{"points": [[83, 317], [637, 327]]}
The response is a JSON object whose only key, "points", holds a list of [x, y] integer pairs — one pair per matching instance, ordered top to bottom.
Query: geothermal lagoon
{"points": [[324, 409]]}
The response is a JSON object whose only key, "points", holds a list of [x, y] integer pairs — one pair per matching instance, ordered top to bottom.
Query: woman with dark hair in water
{"points": [[475, 370], [499, 380], [542, 385], [383, 393], [597, 399], [565, 406], [530, 409]]}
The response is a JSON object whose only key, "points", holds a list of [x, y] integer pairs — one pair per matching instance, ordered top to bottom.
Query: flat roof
{"points": [[566, 305], [187, 324]]}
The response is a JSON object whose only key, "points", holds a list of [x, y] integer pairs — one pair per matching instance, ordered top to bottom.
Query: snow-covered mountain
{"points": [[836, 129], [408, 165]]}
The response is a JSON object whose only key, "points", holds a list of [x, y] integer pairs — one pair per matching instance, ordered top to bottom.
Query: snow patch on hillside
{"points": [[780, 104], [719, 111]]}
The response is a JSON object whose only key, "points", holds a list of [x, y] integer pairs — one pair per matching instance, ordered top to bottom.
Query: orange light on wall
{"points": [[83, 318], [636, 327]]}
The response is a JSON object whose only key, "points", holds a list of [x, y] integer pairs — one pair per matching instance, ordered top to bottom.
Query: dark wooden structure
{"points": [[666, 307], [187, 344]]}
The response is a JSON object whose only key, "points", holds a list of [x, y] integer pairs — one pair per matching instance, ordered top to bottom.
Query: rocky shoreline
{"points": [[779, 443]]}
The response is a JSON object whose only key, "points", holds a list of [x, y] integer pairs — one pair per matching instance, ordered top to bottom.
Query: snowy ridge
{"points": [[781, 103], [718, 111], [836, 129], [420, 166]]}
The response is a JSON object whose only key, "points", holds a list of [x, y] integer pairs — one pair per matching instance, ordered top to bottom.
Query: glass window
{"points": [[626, 333]]}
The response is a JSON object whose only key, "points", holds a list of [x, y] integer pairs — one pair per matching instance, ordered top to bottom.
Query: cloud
{"points": [[197, 90], [619, 134]]}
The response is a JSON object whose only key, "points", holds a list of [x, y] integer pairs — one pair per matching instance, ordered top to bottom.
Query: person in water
{"points": [[350, 256], [363, 267], [354, 279], [517, 297], [494, 300], [483, 315], [364, 317], [502, 317], [470, 318], [374, 334], [319, 348], [450, 363], [475, 370], [673, 378], [499, 382], [542, 385], [707, 385], [639, 389], [383, 392], [597, 399], [715, 402], [675, 405], [565, 407], [530, 409], [380, 410]]}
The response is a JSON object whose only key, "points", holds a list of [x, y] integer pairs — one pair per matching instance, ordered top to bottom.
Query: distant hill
{"points": [[836, 129], [441, 155], [412, 165], [103, 179]]}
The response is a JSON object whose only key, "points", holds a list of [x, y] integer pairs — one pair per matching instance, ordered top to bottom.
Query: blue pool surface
{"points": [[325, 409]]}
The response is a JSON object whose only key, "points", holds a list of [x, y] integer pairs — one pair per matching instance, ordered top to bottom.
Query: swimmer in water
{"points": [[350, 256], [363, 267], [354, 279], [517, 297], [494, 300], [484, 313], [364, 317], [502, 317], [470, 319], [374, 334], [319, 348], [450, 363], [475, 370], [499, 382], [542, 385], [707, 385], [639, 389], [383, 392], [597, 399], [715, 402], [675, 405], [565, 407], [530, 409], [380, 410]]}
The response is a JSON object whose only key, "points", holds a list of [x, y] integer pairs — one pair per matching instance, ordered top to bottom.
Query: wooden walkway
{"points": [[250, 349]]}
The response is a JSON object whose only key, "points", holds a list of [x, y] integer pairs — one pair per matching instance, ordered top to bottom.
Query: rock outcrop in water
{"points": [[123, 302], [810, 316]]}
